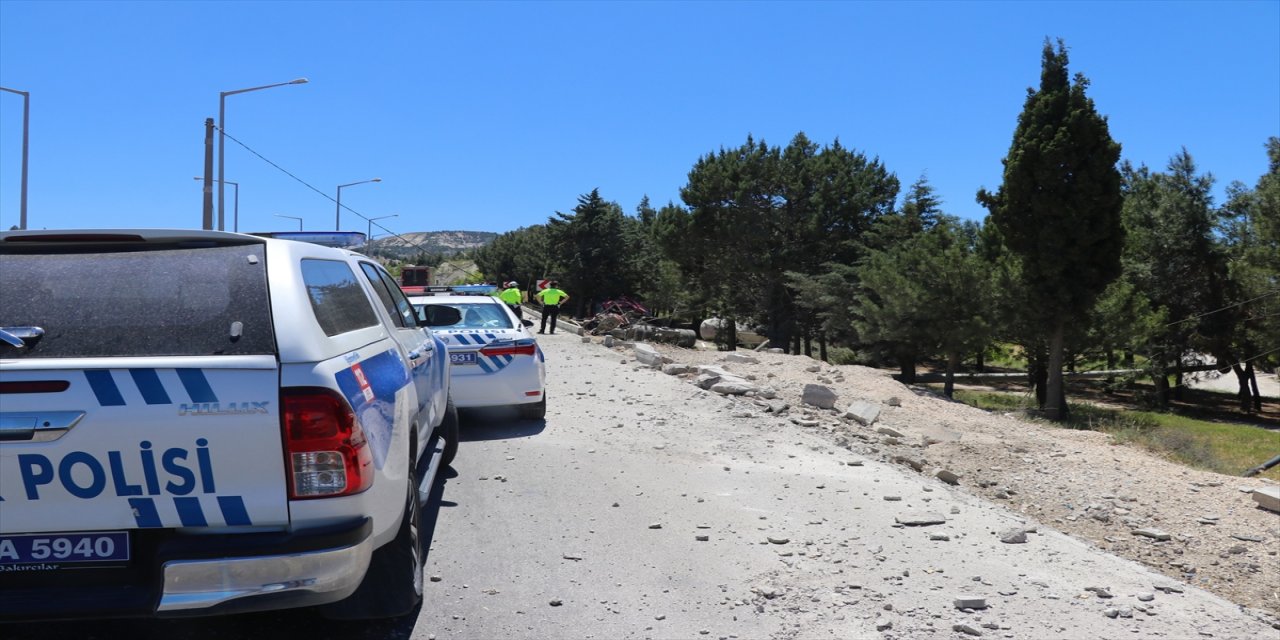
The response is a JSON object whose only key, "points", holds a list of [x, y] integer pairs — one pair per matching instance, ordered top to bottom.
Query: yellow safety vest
{"points": [[552, 296]]}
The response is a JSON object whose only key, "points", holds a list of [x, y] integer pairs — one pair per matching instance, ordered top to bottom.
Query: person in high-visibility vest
{"points": [[511, 296], [551, 297]]}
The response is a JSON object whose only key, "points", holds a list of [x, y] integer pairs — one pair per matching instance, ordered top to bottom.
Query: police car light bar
{"points": [[337, 239]]}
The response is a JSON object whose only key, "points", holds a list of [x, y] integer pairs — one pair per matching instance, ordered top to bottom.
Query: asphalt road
{"points": [[644, 507]]}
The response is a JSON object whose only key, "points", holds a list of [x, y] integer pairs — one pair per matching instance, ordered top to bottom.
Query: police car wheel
{"points": [[535, 411], [451, 432], [392, 586]]}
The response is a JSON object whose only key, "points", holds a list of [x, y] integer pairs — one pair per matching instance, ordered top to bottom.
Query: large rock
{"points": [[646, 354], [676, 369], [706, 380], [818, 396], [865, 413], [1268, 498]]}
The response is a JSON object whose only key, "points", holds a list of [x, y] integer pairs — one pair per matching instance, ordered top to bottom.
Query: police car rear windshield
{"points": [[126, 302], [474, 316]]}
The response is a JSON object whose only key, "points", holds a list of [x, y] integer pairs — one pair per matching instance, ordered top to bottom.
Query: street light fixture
{"points": [[222, 119], [26, 132], [236, 215], [291, 217], [337, 220], [368, 236]]}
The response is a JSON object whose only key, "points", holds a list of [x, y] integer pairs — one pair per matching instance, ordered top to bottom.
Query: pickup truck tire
{"points": [[535, 411], [451, 432], [392, 587]]}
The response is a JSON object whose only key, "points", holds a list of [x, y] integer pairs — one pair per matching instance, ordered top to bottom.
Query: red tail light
{"points": [[517, 348], [326, 453]]}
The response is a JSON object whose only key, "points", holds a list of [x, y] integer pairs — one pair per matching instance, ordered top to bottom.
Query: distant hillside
{"points": [[448, 243]]}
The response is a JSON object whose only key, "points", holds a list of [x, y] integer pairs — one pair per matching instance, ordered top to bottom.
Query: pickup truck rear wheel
{"points": [[451, 432], [392, 586]]}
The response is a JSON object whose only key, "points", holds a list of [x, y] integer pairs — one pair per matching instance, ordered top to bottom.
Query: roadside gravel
{"points": [[1078, 482]]}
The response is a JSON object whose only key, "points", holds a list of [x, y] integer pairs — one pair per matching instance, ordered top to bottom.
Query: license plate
{"points": [[468, 357], [59, 548]]}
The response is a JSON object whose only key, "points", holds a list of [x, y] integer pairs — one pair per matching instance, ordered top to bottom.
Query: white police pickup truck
{"points": [[199, 422]]}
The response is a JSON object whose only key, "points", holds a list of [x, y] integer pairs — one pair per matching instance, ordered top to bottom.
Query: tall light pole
{"points": [[222, 123], [26, 132], [236, 216], [292, 217], [337, 220], [368, 236]]}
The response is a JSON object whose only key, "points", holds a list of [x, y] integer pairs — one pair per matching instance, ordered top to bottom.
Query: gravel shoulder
{"points": [[1078, 482]]}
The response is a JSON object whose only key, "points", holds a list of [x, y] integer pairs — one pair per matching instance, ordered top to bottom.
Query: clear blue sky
{"points": [[492, 116]]}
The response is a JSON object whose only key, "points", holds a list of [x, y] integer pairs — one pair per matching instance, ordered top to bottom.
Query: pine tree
{"points": [[1058, 208]]}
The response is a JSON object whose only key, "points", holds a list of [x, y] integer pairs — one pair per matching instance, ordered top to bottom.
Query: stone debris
{"points": [[647, 355], [740, 358], [813, 368], [676, 369], [733, 387], [818, 396], [893, 401], [863, 412], [890, 432], [918, 465], [948, 477], [893, 498], [1267, 498], [920, 519], [656, 525], [1154, 534], [1014, 536], [940, 537], [701, 538], [1246, 538], [775, 540], [572, 556], [1168, 588], [1101, 592], [1146, 596], [556, 602], [970, 602], [1111, 612], [884, 625], [964, 628]]}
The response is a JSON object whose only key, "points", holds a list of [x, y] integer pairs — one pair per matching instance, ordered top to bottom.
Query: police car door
{"points": [[416, 343]]}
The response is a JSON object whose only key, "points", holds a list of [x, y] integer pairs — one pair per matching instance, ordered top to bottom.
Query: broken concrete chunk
{"points": [[646, 354], [740, 358], [676, 369], [818, 396], [863, 412], [890, 432], [948, 477], [1268, 498], [920, 518], [1154, 534], [970, 602], [964, 628]]}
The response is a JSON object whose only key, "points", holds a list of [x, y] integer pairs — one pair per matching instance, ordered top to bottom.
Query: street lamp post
{"points": [[222, 120], [26, 132], [236, 215], [291, 217], [337, 220], [368, 236]]}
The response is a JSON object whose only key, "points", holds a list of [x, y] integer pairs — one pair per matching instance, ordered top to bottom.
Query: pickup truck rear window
{"points": [[113, 302]]}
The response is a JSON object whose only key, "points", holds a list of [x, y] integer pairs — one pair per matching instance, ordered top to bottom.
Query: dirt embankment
{"points": [[1079, 482]]}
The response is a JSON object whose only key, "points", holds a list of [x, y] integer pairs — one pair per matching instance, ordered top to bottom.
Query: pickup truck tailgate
{"points": [[125, 443]]}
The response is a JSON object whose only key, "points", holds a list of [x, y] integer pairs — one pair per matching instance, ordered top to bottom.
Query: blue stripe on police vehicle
{"points": [[371, 386], [107, 391]]}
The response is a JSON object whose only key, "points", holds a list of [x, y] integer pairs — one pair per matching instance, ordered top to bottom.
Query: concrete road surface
{"points": [[644, 507]]}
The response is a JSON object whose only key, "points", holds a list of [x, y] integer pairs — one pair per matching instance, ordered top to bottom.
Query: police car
{"points": [[496, 361], [199, 422]]}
